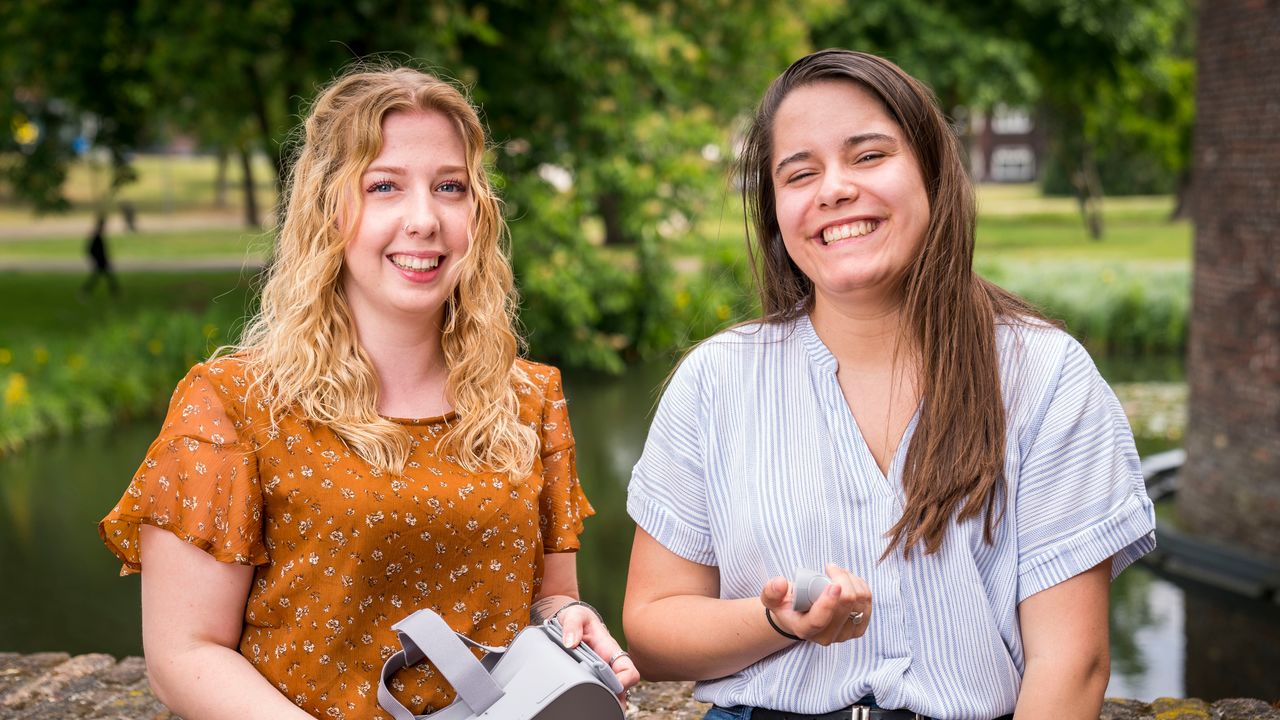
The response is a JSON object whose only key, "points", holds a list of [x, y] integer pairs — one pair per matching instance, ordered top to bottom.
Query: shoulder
{"points": [[734, 348], [1031, 349], [225, 381], [537, 383]]}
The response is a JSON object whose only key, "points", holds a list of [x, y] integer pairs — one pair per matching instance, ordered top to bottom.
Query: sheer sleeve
{"points": [[199, 480], [563, 505]]}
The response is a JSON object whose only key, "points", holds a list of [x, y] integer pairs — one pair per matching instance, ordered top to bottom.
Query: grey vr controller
{"points": [[809, 585]]}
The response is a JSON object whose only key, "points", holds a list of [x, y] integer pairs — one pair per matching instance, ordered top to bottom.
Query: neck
{"points": [[863, 335], [410, 366]]}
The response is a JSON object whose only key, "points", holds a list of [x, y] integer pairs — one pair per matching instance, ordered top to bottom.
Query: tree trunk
{"points": [[220, 181], [1089, 191], [250, 199], [609, 206], [1230, 485]]}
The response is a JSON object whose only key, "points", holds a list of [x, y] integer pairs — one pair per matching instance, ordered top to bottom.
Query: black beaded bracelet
{"points": [[769, 616]]}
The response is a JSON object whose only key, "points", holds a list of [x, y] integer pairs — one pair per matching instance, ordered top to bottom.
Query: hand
{"points": [[831, 619], [581, 625]]}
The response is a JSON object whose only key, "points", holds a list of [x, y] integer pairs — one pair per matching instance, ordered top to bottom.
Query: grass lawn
{"points": [[1017, 225], [204, 243], [45, 307]]}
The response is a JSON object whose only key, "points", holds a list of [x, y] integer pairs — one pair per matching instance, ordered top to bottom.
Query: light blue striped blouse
{"points": [[754, 464]]}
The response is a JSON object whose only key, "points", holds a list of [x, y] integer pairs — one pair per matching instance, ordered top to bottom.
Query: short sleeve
{"points": [[198, 481], [667, 494], [1080, 494], [563, 505]]}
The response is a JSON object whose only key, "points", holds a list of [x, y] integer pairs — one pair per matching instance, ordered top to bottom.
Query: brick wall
{"points": [[1231, 485]]}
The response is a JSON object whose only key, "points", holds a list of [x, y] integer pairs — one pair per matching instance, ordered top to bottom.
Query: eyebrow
{"points": [[850, 142], [401, 170]]}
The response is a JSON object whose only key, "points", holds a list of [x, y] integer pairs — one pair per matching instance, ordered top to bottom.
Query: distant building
{"points": [[1005, 146]]}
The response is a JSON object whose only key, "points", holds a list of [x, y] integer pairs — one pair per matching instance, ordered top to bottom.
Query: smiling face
{"points": [[850, 199], [405, 257]]}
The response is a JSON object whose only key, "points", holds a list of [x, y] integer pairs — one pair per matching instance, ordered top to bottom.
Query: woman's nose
{"points": [[838, 188], [421, 218]]}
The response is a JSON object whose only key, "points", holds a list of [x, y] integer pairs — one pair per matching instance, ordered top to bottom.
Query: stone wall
{"points": [[1230, 489], [45, 686]]}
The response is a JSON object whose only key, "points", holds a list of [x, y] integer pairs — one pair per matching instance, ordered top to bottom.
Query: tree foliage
{"points": [[613, 120]]}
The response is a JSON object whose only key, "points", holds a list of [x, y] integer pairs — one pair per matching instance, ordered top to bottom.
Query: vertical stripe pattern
{"points": [[754, 464]]}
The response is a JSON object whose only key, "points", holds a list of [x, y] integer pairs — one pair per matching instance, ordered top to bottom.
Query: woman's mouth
{"points": [[857, 228], [416, 264]]}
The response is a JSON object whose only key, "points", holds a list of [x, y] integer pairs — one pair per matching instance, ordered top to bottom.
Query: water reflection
{"points": [[59, 588], [1147, 644]]}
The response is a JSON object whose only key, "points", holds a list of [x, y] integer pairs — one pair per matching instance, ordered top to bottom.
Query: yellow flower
{"points": [[25, 131], [682, 300], [722, 312], [155, 347], [41, 354], [6, 356], [76, 361], [15, 391]]}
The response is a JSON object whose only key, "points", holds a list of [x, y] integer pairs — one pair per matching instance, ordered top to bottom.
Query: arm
{"points": [[560, 587], [192, 616], [679, 628], [1064, 636]]}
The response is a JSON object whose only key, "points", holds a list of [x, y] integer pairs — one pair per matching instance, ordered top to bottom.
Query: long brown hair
{"points": [[954, 464]]}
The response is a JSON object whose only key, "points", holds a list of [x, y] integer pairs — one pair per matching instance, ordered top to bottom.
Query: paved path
{"points": [[79, 224], [81, 265]]}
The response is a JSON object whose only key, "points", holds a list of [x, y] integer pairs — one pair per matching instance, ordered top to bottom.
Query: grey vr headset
{"points": [[533, 678]]}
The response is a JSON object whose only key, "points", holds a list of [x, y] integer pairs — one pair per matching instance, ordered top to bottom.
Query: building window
{"points": [[1010, 121], [1013, 163]]}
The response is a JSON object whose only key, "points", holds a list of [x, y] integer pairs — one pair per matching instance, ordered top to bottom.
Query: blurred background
{"points": [[149, 139]]}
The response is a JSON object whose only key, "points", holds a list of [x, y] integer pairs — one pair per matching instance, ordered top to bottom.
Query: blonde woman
{"points": [[373, 446]]}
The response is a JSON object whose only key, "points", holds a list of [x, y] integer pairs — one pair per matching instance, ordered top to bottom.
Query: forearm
{"points": [[546, 606], [694, 637], [209, 681], [1064, 688]]}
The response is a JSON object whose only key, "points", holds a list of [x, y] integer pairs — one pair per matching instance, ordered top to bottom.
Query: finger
{"points": [[774, 593], [573, 623], [626, 671]]}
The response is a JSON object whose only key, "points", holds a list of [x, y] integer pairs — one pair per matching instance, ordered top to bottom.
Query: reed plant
{"points": [[1120, 309]]}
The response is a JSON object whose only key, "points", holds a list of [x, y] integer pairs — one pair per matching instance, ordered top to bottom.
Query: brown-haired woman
{"points": [[373, 446], [953, 462]]}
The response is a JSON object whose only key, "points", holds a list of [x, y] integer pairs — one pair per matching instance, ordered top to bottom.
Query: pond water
{"points": [[59, 588]]}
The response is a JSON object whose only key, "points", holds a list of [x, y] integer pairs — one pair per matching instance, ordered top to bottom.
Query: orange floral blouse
{"points": [[342, 551]]}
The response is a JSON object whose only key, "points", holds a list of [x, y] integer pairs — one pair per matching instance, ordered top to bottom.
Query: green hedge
{"points": [[124, 369]]}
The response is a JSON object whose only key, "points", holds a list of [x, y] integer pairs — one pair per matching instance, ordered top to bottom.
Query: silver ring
{"points": [[406, 228], [856, 617], [619, 654]]}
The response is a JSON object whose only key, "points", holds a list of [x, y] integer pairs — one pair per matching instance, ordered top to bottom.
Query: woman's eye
{"points": [[867, 157], [799, 176], [452, 186], [381, 187]]}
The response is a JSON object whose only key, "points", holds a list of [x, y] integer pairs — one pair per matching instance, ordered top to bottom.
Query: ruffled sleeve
{"points": [[199, 479], [563, 505]]}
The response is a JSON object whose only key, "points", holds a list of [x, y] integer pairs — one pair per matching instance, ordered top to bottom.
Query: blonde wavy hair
{"points": [[301, 346]]}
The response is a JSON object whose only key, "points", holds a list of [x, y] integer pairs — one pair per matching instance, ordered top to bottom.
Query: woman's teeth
{"points": [[853, 229], [416, 264]]}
